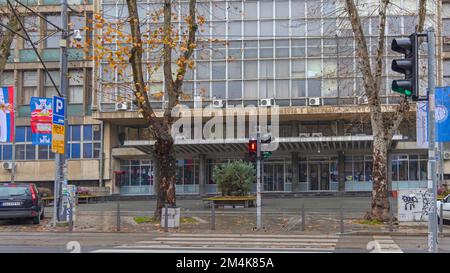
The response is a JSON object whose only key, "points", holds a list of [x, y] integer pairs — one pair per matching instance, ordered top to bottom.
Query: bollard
{"points": [[213, 216], [118, 217], [303, 218], [441, 218], [166, 219], [342, 219]]}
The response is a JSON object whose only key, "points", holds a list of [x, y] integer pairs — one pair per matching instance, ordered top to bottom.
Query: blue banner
{"points": [[442, 114], [41, 121]]}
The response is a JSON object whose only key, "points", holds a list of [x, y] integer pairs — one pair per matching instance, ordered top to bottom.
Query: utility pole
{"points": [[60, 159], [432, 177], [258, 178]]}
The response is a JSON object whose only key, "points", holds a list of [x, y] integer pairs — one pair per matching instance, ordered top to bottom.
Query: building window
{"points": [[31, 24], [53, 37], [7, 78], [29, 86], [76, 86], [50, 90], [25, 150], [409, 167], [358, 168], [187, 172], [136, 173]]}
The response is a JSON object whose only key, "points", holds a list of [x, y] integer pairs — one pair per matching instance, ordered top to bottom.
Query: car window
{"points": [[13, 191]]}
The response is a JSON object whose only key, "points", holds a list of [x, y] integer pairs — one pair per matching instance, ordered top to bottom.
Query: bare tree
{"points": [[7, 37], [172, 41], [383, 127]]}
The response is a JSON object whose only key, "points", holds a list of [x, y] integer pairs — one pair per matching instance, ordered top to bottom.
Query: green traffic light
{"points": [[400, 86], [402, 91]]}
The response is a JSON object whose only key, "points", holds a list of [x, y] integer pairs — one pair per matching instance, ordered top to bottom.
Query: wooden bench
{"points": [[87, 197], [84, 198], [47, 200], [222, 201]]}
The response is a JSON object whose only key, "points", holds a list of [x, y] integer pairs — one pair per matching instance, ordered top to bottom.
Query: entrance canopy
{"points": [[239, 145]]}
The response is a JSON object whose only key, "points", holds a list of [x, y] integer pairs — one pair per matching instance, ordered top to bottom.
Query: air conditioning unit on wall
{"points": [[363, 100], [314, 101], [266, 102], [217, 103], [121, 106], [446, 155], [7, 165]]}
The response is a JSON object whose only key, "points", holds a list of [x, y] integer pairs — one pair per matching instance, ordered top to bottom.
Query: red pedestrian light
{"points": [[252, 146]]}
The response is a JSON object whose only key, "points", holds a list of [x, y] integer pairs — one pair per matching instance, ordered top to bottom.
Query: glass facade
{"points": [[285, 49], [84, 142], [136, 177]]}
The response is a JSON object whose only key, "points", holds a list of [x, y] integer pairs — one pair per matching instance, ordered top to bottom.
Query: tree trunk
{"points": [[165, 186], [380, 207]]}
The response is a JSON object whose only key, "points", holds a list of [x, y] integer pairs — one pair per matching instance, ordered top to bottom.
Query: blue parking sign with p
{"points": [[58, 110]]}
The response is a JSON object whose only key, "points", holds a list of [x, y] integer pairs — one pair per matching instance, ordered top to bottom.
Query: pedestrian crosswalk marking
{"points": [[234, 243], [385, 244]]}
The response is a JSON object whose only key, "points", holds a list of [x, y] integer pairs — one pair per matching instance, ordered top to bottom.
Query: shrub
{"points": [[234, 178], [45, 192]]}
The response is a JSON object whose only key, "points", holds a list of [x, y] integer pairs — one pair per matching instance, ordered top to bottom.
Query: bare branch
{"points": [[422, 15], [6, 41], [381, 42], [190, 45], [362, 51], [136, 65]]}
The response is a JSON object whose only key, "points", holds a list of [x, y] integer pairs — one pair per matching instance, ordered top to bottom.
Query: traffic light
{"points": [[409, 66], [252, 149]]}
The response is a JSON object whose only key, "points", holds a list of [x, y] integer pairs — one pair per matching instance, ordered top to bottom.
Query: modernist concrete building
{"points": [[296, 54], [25, 72]]}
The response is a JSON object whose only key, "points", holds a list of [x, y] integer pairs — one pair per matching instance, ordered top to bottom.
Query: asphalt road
{"points": [[185, 243]]}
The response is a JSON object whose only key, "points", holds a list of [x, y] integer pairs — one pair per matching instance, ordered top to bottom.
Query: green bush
{"points": [[234, 178]]}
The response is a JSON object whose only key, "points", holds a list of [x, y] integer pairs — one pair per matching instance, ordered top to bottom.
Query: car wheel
{"points": [[36, 220]]}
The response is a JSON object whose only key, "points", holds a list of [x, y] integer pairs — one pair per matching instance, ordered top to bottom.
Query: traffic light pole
{"points": [[60, 159], [432, 177], [258, 179]]}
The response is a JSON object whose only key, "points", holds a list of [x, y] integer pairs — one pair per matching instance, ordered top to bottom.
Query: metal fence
{"points": [[302, 219]]}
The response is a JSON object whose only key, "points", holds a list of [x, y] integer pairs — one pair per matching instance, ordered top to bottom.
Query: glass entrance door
{"points": [[273, 177], [319, 177]]}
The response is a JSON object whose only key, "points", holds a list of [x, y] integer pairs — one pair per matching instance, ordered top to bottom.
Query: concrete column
{"points": [[294, 128], [341, 170], [295, 172], [155, 173], [202, 175]]}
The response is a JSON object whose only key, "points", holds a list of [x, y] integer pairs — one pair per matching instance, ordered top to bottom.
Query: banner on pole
{"points": [[7, 114], [442, 114], [41, 121], [421, 124]]}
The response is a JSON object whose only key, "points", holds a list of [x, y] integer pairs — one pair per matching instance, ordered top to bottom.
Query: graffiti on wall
{"points": [[413, 205]]}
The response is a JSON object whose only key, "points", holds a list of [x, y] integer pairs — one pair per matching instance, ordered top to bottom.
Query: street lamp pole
{"points": [[60, 159], [432, 174]]}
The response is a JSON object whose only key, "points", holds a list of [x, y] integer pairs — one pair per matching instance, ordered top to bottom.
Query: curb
{"points": [[392, 233]]}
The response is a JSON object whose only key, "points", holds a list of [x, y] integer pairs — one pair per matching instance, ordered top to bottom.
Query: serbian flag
{"points": [[7, 114]]}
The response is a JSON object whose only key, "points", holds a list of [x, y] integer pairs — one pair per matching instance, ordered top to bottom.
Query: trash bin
{"points": [[173, 217]]}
